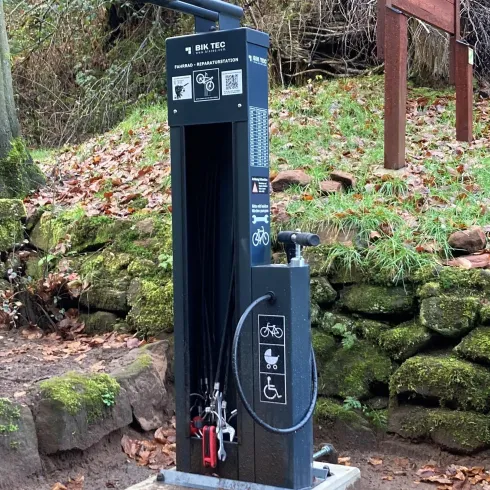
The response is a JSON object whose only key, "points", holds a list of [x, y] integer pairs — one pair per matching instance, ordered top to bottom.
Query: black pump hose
{"points": [[246, 404]]}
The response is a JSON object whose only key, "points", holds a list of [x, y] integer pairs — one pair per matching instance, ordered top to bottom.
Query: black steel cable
{"points": [[246, 404]]}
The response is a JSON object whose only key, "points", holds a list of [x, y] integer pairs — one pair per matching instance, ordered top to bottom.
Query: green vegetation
{"points": [[400, 222], [405, 340], [476, 346], [351, 372], [452, 381], [76, 392], [9, 416], [465, 432]]}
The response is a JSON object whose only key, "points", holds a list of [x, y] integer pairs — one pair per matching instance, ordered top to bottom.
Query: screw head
{"points": [[239, 106], [175, 111]]}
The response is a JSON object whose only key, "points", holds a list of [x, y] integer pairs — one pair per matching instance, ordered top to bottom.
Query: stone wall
{"points": [[421, 351]]}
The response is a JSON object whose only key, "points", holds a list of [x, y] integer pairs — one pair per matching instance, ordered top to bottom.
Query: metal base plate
{"points": [[342, 478]]}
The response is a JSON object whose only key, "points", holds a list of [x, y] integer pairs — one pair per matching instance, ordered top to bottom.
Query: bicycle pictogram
{"points": [[207, 81], [260, 237], [271, 330]]}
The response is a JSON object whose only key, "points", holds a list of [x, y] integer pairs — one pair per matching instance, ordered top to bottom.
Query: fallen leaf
{"points": [[32, 333], [97, 367], [20, 394], [160, 436], [344, 461], [375, 461], [387, 478], [59, 486]]}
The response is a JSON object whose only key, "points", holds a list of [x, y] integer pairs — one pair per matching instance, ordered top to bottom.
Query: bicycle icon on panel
{"points": [[207, 81], [260, 237], [271, 330], [270, 390]]}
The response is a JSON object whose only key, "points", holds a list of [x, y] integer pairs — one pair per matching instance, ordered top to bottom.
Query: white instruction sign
{"points": [[182, 88]]}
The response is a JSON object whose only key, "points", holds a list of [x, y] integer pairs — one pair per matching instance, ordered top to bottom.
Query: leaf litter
{"points": [[156, 454]]}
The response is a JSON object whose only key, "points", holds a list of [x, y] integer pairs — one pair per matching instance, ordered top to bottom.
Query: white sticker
{"points": [[471, 56], [232, 82], [182, 88]]}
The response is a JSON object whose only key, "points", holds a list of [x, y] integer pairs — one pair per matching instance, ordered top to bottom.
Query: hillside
{"points": [[389, 223]]}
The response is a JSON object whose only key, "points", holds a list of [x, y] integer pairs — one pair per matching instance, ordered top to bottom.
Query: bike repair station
{"points": [[245, 371]]}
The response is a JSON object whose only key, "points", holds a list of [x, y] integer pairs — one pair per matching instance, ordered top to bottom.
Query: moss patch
{"points": [[18, 174], [12, 209], [81, 231], [11, 232], [322, 292], [378, 300], [152, 306], [316, 314], [451, 316], [330, 320], [405, 340], [324, 346], [476, 346], [352, 372], [454, 382], [76, 392], [329, 410], [9, 417], [463, 432]]}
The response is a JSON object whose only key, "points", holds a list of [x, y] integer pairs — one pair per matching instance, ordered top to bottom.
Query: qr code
{"points": [[232, 82]]}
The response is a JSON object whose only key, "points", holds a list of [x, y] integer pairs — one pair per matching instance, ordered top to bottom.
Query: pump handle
{"points": [[298, 238]]}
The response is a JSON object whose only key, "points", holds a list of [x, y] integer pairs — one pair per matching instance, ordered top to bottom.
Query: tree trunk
{"points": [[9, 124], [18, 174]]}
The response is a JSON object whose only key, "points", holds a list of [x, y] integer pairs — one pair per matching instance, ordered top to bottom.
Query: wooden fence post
{"points": [[380, 29], [452, 42], [396, 52], [464, 92]]}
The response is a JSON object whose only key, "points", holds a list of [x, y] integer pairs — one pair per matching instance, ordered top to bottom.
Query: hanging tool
{"points": [[209, 452]]}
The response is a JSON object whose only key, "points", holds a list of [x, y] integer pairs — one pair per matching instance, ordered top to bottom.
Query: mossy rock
{"points": [[18, 174], [12, 209], [82, 232], [11, 233], [147, 237], [109, 279], [429, 290], [322, 291], [378, 300], [152, 306], [316, 314], [485, 314], [450, 316], [331, 319], [99, 322], [369, 329], [405, 341], [324, 346], [476, 346], [353, 372], [455, 383], [76, 392], [329, 410], [75, 411], [456, 431], [18, 444]]}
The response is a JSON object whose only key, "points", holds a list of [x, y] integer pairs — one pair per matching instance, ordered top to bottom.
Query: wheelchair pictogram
{"points": [[270, 391]]}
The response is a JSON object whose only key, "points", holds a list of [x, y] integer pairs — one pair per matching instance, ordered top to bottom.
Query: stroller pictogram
{"points": [[270, 359]]}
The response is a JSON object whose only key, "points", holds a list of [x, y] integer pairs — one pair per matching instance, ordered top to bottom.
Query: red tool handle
{"points": [[209, 449]]}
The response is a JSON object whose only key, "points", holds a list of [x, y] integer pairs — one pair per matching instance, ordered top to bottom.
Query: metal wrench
{"points": [[221, 450]]}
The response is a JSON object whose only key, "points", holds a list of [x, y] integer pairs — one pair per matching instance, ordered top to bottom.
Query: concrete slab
{"points": [[343, 478]]}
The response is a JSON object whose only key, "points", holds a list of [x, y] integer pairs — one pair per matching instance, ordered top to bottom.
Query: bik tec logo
{"points": [[207, 48]]}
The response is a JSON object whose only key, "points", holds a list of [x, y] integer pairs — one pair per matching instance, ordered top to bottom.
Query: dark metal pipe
{"points": [[219, 6], [187, 8]]}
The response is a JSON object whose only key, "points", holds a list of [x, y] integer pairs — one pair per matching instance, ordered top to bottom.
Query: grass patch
{"points": [[400, 222]]}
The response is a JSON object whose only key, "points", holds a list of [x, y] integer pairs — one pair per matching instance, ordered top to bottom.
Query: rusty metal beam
{"points": [[395, 88], [464, 92]]}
